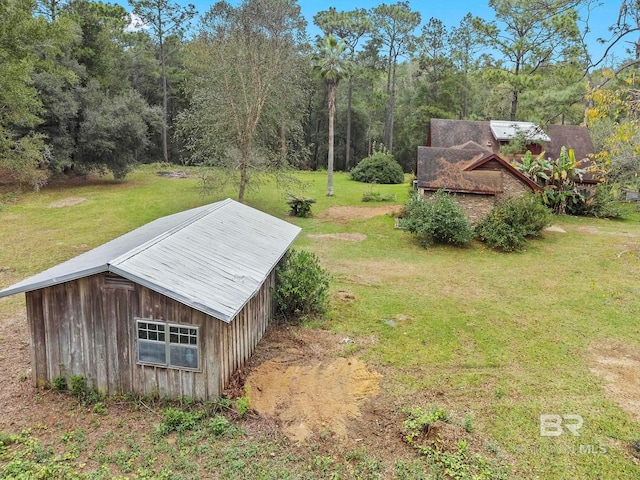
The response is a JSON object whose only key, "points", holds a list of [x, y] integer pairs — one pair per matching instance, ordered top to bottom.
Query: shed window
{"points": [[168, 344]]}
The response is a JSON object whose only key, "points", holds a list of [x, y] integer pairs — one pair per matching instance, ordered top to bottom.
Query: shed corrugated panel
{"points": [[215, 264]]}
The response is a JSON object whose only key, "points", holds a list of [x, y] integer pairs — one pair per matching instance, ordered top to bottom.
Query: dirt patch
{"points": [[176, 174], [67, 202], [346, 214], [555, 228], [597, 231], [349, 237], [619, 367], [312, 398]]}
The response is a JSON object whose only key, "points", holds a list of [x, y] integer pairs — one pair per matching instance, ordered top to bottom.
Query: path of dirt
{"points": [[67, 202], [346, 214], [597, 231], [349, 237], [619, 367], [312, 398]]}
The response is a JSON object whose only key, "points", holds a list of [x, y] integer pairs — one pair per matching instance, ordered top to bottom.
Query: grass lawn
{"points": [[500, 338]]}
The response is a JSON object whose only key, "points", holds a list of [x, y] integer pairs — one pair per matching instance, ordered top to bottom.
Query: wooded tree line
{"points": [[86, 86]]}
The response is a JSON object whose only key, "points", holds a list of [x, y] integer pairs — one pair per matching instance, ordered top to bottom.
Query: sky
{"points": [[450, 12]]}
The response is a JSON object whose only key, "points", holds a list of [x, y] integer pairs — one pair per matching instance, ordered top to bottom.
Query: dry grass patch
{"points": [[67, 202], [344, 214], [618, 366]]}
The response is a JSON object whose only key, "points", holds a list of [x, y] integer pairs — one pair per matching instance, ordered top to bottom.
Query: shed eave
{"points": [[50, 282]]}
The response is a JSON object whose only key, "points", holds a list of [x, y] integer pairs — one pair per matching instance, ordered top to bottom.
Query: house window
{"points": [[168, 344]]}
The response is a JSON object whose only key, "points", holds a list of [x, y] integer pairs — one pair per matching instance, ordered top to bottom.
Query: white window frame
{"points": [[192, 334]]}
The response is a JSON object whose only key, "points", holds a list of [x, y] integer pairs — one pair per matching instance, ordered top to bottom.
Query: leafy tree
{"points": [[164, 19], [350, 27], [393, 27], [529, 36], [464, 44], [331, 66], [246, 78], [614, 122], [113, 130], [22, 152]]}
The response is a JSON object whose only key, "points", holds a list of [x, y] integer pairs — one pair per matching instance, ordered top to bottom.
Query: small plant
{"points": [[379, 167], [300, 206], [437, 220], [302, 285], [59, 384], [78, 385], [242, 405], [100, 408], [175, 420], [418, 421], [468, 423], [219, 426]]}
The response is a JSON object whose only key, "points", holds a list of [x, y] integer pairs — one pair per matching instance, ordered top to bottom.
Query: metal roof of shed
{"points": [[504, 130], [212, 258]]}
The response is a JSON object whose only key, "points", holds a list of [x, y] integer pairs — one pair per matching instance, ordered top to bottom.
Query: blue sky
{"points": [[451, 12]]}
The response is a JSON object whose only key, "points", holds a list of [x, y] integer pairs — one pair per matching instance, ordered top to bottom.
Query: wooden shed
{"points": [[173, 307]]}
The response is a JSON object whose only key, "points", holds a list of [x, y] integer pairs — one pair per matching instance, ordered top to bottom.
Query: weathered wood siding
{"points": [[87, 327]]}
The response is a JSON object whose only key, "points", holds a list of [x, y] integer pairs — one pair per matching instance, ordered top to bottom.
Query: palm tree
{"points": [[331, 65]]}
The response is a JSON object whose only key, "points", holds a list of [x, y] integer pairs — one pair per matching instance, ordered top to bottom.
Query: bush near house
{"points": [[379, 167], [437, 220], [512, 222], [302, 285]]}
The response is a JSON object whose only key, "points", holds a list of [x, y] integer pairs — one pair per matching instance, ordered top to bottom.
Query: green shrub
{"points": [[379, 167], [603, 204], [299, 206], [436, 220], [511, 222], [302, 284], [59, 384], [174, 420], [219, 426]]}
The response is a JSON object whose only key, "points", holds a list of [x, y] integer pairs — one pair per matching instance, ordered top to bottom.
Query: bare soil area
{"points": [[67, 202], [346, 214], [349, 237], [619, 367], [312, 398]]}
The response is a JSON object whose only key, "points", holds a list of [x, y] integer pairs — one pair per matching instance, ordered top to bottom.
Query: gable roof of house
{"points": [[487, 134], [460, 170], [212, 258]]}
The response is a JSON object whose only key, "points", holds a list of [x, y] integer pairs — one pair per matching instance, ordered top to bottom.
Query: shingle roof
{"points": [[456, 133], [460, 170], [212, 258]]}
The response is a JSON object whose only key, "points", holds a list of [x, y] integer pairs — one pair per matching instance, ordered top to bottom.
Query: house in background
{"points": [[496, 134], [464, 157], [478, 177], [172, 308]]}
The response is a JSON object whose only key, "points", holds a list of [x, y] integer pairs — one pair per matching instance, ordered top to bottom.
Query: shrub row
{"points": [[440, 220]]}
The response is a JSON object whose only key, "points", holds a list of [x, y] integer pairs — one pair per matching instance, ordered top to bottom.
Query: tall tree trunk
{"points": [[514, 105], [392, 108], [332, 111], [283, 140], [165, 149], [245, 154], [347, 158]]}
